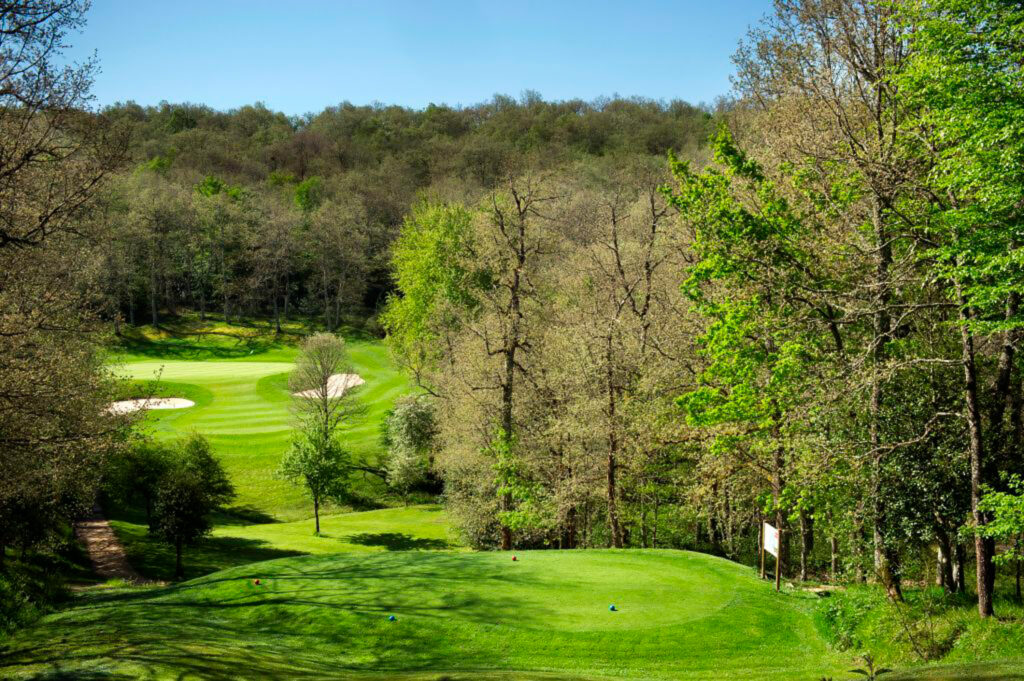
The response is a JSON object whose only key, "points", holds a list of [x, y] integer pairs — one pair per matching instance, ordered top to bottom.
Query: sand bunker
{"points": [[336, 386], [128, 406]]}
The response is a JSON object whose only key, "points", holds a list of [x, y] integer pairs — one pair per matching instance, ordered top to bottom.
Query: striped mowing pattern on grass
{"points": [[244, 407]]}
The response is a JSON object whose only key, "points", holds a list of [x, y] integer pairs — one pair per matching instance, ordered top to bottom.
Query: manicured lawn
{"points": [[243, 406], [473, 615]]}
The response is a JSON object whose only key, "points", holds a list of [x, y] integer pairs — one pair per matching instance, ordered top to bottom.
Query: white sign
{"points": [[771, 540]]}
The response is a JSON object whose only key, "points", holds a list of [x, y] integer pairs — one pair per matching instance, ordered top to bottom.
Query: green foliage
{"points": [[963, 77], [181, 119], [157, 164], [281, 178], [212, 186], [309, 194], [433, 280], [409, 433], [321, 466], [133, 475], [193, 485], [528, 499], [1007, 518], [17, 607], [842, 615]]}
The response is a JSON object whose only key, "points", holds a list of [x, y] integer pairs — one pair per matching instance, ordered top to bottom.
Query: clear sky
{"points": [[299, 57]]}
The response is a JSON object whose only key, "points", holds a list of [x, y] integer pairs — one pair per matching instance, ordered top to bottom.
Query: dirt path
{"points": [[105, 551]]}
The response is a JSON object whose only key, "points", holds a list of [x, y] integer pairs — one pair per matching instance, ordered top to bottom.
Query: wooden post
{"points": [[760, 543], [778, 564]]}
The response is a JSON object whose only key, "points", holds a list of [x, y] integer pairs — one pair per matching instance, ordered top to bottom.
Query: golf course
{"points": [[647, 341], [392, 592]]}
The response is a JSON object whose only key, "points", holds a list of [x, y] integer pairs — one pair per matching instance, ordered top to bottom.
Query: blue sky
{"points": [[299, 57]]}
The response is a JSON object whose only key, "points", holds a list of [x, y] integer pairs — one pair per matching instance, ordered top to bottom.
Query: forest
{"points": [[630, 323]]}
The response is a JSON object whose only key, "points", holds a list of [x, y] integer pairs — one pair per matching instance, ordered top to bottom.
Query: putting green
{"points": [[244, 407], [473, 615]]}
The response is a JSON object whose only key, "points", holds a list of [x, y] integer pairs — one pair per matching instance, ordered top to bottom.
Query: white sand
{"points": [[336, 386], [128, 406]]}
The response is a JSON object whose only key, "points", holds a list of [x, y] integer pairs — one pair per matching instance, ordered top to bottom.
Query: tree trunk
{"points": [[287, 287], [152, 296], [277, 315], [316, 512], [643, 524], [654, 530], [569, 531], [806, 542], [983, 557], [885, 558], [944, 560], [782, 561], [833, 567], [959, 568]]}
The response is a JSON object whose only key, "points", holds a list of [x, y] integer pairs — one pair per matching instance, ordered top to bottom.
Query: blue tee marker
{"points": [[613, 608], [392, 618]]}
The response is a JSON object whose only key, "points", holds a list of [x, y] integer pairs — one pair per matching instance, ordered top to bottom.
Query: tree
{"points": [[968, 130], [54, 157], [323, 397], [410, 433], [321, 467], [134, 474], [193, 485], [1007, 523]]}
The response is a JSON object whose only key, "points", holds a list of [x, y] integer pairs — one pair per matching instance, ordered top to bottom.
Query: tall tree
{"points": [[969, 124], [54, 156]]}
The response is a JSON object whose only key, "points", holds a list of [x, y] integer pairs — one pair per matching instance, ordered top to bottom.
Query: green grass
{"points": [[238, 379], [411, 528], [472, 615]]}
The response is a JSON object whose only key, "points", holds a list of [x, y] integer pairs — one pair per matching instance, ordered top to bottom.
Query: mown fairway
{"points": [[243, 406], [681, 616]]}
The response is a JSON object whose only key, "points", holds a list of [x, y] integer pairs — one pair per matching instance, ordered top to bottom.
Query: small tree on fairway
{"points": [[323, 401], [321, 466], [192, 486]]}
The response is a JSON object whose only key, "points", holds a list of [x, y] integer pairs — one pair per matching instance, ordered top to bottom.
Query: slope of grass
{"points": [[238, 379], [412, 528], [471, 615], [930, 625]]}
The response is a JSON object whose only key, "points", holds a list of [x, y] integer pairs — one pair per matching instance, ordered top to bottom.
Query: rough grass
{"points": [[468, 615], [931, 626]]}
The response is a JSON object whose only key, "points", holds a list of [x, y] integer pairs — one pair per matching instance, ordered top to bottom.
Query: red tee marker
{"points": [[514, 559], [256, 582]]}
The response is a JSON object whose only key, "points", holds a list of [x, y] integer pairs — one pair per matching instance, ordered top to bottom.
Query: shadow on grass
{"points": [[180, 348], [243, 515], [397, 541], [154, 558], [310, 619]]}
